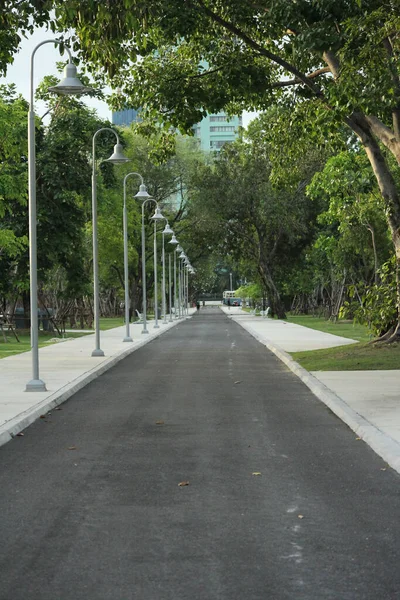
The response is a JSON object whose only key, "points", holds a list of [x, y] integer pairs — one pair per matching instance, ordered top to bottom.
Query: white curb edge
{"points": [[386, 447]]}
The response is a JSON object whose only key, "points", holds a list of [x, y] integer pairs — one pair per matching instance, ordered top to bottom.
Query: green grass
{"points": [[110, 322], [346, 329], [24, 345], [354, 357]]}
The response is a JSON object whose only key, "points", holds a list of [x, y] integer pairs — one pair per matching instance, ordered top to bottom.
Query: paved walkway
{"points": [[368, 401]]}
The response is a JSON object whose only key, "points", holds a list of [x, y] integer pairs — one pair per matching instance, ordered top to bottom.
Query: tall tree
{"points": [[340, 59], [249, 219]]}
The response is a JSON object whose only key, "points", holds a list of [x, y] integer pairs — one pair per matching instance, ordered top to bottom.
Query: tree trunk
{"points": [[389, 193], [276, 304]]}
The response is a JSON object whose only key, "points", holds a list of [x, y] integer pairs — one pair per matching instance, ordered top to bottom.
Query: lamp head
{"points": [[70, 84], [117, 157], [142, 193], [157, 215], [168, 230], [173, 240]]}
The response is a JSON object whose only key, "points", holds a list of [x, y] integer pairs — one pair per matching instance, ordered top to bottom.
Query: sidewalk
{"points": [[65, 367], [367, 401]]}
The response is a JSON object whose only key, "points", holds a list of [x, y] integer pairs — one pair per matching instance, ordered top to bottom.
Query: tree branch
{"points": [[260, 49], [297, 81], [396, 84], [385, 135]]}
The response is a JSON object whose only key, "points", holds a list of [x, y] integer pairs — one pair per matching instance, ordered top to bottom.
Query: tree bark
{"points": [[388, 190], [276, 304]]}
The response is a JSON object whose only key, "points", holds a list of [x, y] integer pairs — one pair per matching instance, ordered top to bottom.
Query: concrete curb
{"points": [[15, 425], [381, 443]]}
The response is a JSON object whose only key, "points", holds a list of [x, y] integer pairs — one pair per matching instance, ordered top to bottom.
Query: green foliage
{"points": [[13, 169], [253, 291], [374, 305]]}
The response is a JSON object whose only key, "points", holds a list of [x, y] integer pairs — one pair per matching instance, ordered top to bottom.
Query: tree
{"points": [[340, 59], [249, 219]]}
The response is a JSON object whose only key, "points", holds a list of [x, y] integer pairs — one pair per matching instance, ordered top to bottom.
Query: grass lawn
{"points": [[111, 322], [344, 328], [14, 347], [355, 357]]}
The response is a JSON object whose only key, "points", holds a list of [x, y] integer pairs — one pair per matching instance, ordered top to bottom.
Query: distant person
{"points": [[228, 301], [198, 305]]}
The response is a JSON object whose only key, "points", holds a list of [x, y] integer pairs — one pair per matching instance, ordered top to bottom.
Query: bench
{"points": [[140, 317], [7, 326]]}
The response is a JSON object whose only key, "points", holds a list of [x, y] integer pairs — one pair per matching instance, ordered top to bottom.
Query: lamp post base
{"points": [[156, 327], [144, 331], [127, 339], [98, 352], [36, 385]]}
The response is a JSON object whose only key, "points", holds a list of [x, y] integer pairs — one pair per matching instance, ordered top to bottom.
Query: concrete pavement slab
{"points": [[290, 337]]}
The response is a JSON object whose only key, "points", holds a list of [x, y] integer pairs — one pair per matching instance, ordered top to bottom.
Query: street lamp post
{"points": [[69, 85], [117, 157], [157, 216], [167, 231], [175, 243], [179, 249], [182, 256], [169, 287], [127, 337]]}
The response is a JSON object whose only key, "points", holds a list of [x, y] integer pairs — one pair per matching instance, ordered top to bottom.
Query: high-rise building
{"points": [[124, 117], [215, 130]]}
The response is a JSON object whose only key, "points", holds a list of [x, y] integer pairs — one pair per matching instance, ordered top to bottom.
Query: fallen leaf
{"points": [[237, 382], [58, 408], [42, 417], [159, 422], [20, 434], [358, 438], [72, 448], [384, 469], [256, 473], [183, 483], [300, 516]]}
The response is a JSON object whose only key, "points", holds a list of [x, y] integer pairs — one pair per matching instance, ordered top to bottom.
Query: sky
{"points": [[45, 62]]}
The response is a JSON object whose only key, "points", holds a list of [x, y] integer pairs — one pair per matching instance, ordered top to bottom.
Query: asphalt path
{"points": [[282, 502]]}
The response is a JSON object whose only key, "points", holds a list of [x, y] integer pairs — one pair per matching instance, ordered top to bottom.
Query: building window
{"points": [[218, 118], [223, 128], [217, 145]]}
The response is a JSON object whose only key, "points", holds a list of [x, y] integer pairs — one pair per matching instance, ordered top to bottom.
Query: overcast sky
{"points": [[45, 61]]}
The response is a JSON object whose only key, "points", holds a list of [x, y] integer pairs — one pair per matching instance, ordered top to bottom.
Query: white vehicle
{"points": [[228, 297]]}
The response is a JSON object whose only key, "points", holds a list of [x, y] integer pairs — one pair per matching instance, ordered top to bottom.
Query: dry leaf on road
{"points": [[183, 483]]}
